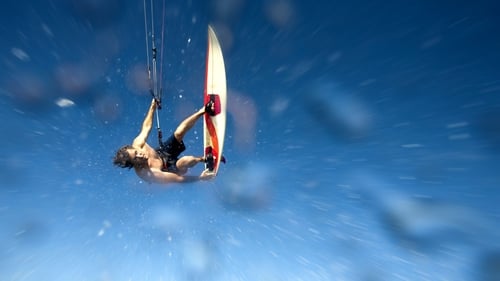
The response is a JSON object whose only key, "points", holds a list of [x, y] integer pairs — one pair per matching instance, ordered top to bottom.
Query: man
{"points": [[162, 165]]}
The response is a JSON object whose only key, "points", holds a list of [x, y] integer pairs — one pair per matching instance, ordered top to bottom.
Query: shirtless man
{"points": [[161, 165]]}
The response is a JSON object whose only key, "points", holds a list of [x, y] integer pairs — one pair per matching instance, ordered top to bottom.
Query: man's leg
{"points": [[187, 124], [186, 162]]}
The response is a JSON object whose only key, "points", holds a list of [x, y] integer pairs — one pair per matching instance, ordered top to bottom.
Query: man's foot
{"points": [[210, 108], [211, 158], [209, 162]]}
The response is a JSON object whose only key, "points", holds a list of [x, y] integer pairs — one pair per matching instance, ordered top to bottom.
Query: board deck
{"points": [[214, 127]]}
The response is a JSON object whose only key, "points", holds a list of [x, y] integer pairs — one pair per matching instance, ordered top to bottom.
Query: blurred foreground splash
{"points": [[47, 67], [342, 114], [247, 188], [425, 223]]}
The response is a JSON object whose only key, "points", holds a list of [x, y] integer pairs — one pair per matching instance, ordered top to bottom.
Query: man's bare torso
{"points": [[154, 163]]}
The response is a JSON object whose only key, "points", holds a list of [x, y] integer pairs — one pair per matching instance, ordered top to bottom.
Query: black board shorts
{"points": [[169, 152]]}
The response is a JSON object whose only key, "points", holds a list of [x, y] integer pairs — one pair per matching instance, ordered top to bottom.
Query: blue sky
{"points": [[362, 142]]}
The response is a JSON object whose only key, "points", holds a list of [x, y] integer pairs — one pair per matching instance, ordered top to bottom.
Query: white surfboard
{"points": [[214, 125]]}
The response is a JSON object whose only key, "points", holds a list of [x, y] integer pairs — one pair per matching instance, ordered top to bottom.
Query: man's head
{"points": [[128, 157]]}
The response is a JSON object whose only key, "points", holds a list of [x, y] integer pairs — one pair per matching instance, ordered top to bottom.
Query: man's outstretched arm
{"points": [[140, 140], [159, 176]]}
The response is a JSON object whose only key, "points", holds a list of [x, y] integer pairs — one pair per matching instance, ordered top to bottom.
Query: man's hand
{"points": [[157, 103], [207, 175]]}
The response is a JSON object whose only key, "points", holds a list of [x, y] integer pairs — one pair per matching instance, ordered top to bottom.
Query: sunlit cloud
{"points": [[62, 102]]}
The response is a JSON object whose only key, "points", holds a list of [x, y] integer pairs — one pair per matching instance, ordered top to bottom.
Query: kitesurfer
{"points": [[162, 165]]}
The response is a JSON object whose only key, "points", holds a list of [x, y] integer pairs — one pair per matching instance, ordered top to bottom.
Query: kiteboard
{"points": [[214, 125]]}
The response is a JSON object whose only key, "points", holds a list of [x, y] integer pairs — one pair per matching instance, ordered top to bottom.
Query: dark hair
{"points": [[122, 158]]}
